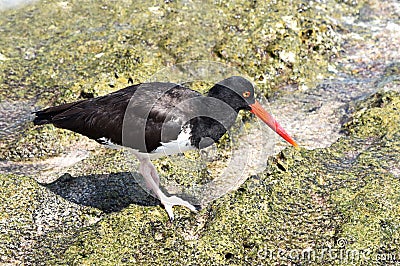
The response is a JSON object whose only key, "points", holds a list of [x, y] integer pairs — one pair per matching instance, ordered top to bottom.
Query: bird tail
{"points": [[46, 116]]}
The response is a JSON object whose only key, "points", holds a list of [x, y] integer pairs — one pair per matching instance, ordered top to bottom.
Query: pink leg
{"points": [[152, 180]]}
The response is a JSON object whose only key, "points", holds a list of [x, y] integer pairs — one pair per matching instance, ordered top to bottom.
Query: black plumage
{"points": [[153, 107], [102, 118]]}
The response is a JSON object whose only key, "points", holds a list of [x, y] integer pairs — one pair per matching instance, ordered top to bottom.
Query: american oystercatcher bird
{"points": [[157, 119]]}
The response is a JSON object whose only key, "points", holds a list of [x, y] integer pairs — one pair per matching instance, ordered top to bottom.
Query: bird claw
{"points": [[152, 180], [169, 202]]}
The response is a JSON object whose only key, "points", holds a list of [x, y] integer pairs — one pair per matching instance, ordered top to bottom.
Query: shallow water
{"points": [[371, 47]]}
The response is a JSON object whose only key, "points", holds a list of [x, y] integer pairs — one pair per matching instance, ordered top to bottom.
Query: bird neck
{"points": [[225, 95], [229, 97], [205, 130]]}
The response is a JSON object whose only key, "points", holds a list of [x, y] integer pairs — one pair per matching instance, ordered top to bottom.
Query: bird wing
{"points": [[139, 116], [154, 118]]}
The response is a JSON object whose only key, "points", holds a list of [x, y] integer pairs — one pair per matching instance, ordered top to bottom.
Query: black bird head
{"points": [[235, 91], [238, 93]]}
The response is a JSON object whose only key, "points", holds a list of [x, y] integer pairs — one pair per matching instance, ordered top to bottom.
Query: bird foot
{"points": [[152, 182], [169, 202]]}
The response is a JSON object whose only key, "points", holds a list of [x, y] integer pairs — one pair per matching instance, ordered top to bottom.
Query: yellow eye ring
{"points": [[246, 94]]}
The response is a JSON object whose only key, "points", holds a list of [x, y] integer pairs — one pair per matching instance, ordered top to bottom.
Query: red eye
{"points": [[246, 94]]}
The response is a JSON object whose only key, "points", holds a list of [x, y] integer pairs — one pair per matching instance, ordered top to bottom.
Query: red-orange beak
{"points": [[257, 109]]}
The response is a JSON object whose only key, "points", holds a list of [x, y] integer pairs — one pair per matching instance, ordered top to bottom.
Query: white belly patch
{"points": [[180, 145]]}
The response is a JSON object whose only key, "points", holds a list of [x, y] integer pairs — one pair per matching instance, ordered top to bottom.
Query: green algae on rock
{"points": [[293, 40], [378, 116], [37, 143], [34, 224]]}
